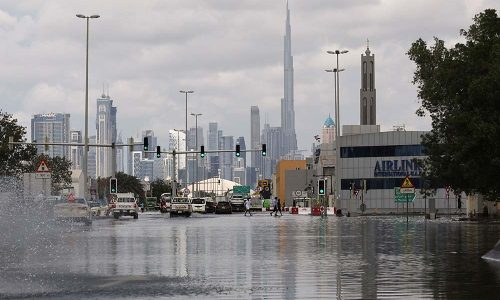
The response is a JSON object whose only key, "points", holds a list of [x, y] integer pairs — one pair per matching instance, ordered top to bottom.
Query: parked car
{"points": [[198, 205], [209, 205], [223, 207], [73, 209]]}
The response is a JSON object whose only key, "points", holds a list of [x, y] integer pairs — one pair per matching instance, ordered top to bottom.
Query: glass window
{"points": [[382, 151]]}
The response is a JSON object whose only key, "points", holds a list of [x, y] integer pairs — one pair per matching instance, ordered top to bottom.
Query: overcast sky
{"points": [[230, 52]]}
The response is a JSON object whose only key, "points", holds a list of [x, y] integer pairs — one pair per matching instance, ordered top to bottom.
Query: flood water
{"points": [[263, 257]]}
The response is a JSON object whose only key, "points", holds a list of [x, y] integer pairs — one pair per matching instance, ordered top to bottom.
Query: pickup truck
{"points": [[237, 202], [124, 205], [180, 206]]}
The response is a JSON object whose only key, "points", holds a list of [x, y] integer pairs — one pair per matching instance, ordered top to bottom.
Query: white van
{"points": [[198, 205]]}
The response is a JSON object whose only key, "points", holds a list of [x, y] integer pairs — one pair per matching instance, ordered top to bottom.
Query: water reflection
{"points": [[292, 257]]}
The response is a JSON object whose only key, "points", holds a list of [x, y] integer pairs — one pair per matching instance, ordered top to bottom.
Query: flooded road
{"points": [[219, 256]]}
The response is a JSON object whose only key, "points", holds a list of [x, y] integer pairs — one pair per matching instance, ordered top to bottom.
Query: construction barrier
{"points": [[294, 210], [304, 210], [316, 211], [330, 211]]}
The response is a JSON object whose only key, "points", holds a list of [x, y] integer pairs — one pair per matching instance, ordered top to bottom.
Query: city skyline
{"points": [[229, 78]]}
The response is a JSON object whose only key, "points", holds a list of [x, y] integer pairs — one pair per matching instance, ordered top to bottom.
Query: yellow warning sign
{"points": [[407, 183]]}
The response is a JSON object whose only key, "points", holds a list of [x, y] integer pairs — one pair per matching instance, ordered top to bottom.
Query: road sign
{"points": [[42, 167], [43, 175], [407, 183], [241, 189], [407, 190], [186, 192], [299, 194], [401, 198]]}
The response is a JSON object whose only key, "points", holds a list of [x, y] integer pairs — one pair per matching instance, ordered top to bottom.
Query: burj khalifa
{"points": [[289, 138]]}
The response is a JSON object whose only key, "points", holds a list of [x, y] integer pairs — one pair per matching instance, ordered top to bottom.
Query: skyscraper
{"points": [[368, 95], [51, 128], [328, 131], [105, 134], [255, 135], [272, 137], [289, 138], [241, 141], [213, 144], [76, 152], [92, 158], [226, 158]]}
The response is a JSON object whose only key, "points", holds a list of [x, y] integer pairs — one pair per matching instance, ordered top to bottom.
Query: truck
{"points": [[238, 197], [124, 204], [180, 206]]}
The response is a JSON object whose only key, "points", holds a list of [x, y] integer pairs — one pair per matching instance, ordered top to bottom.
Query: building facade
{"points": [[51, 128], [105, 135], [76, 152], [372, 165]]}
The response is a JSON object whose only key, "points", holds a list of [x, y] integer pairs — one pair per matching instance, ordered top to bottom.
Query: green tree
{"points": [[460, 89], [16, 161], [126, 184], [159, 187]]}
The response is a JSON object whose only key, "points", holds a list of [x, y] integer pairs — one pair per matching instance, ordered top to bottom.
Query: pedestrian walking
{"points": [[275, 205], [247, 207], [278, 207]]}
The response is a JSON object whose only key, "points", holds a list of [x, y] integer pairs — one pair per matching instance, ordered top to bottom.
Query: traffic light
{"points": [[146, 143], [202, 151], [238, 151], [158, 152], [264, 152], [113, 185], [321, 187]]}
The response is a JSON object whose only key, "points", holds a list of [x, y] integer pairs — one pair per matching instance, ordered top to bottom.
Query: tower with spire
{"points": [[368, 99], [328, 131], [289, 138]]}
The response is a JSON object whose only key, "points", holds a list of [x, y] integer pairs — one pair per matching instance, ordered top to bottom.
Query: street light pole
{"points": [[337, 121], [86, 142], [196, 146], [185, 157]]}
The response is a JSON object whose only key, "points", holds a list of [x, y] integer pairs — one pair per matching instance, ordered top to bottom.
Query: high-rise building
{"points": [[368, 95], [51, 128], [328, 131], [105, 134], [255, 135], [271, 136], [192, 138], [289, 138], [241, 141], [152, 142], [177, 142], [213, 144], [76, 152], [120, 155], [226, 158], [91, 160], [239, 171]]}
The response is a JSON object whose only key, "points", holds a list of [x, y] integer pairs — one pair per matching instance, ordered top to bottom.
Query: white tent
{"points": [[215, 185]]}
